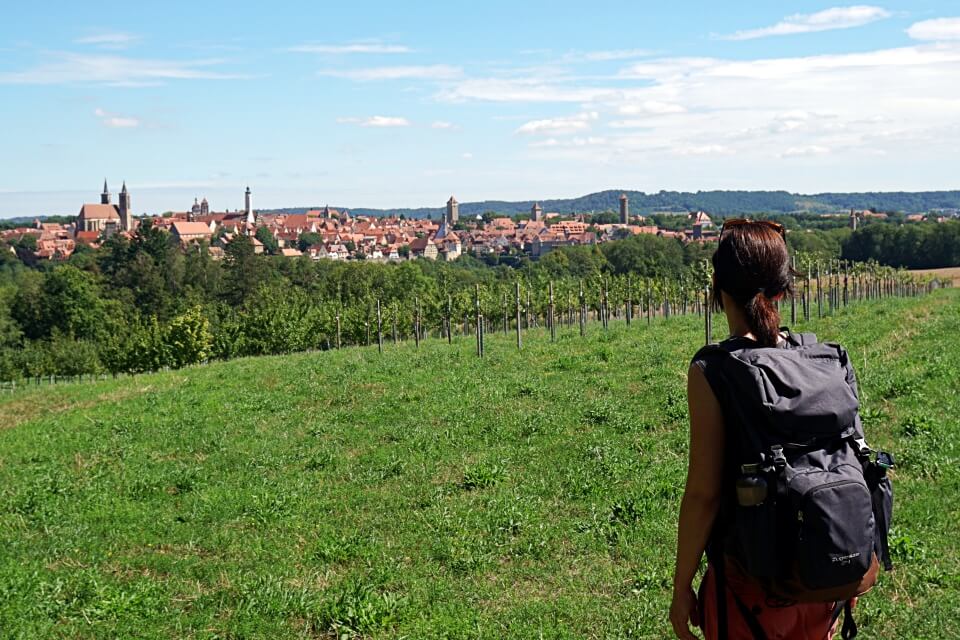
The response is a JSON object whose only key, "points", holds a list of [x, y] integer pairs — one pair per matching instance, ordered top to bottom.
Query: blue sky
{"points": [[388, 104]]}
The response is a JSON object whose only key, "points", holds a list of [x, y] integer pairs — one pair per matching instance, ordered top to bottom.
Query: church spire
{"points": [[124, 190], [105, 196]]}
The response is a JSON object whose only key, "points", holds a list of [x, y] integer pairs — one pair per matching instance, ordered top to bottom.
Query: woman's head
{"points": [[752, 266]]}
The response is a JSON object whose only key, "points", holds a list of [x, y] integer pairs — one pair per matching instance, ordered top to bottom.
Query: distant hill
{"points": [[724, 203]]}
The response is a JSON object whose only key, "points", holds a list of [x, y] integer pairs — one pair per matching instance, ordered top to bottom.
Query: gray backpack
{"points": [[806, 504]]}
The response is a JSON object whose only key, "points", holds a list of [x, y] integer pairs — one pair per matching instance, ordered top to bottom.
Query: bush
{"points": [[188, 338]]}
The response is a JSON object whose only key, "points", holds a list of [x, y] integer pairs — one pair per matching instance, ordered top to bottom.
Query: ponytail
{"points": [[763, 319]]}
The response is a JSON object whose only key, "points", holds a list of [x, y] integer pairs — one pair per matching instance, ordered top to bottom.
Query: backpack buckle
{"points": [[863, 449], [779, 460]]}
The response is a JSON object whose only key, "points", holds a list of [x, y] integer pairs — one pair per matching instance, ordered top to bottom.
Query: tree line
{"points": [[145, 304]]}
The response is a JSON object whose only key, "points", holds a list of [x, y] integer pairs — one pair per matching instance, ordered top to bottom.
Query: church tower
{"points": [[105, 196], [248, 207], [624, 209], [453, 211], [536, 213], [126, 223]]}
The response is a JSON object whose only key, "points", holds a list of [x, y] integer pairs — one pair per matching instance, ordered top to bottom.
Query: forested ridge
{"points": [[723, 203]]}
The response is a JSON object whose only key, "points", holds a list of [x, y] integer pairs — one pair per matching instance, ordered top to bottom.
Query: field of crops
{"points": [[425, 493]]}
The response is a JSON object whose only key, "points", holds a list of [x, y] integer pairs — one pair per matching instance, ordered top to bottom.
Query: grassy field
{"points": [[427, 494]]}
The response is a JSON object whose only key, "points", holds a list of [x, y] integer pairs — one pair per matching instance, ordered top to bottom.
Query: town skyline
{"points": [[381, 106]]}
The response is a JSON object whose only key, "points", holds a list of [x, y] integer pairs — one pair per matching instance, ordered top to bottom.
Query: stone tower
{"points": [[105, 196], [204, 207], [248, 207], [624, 209], [453, 211], [536, 213], [853, 219], [126, 221]]}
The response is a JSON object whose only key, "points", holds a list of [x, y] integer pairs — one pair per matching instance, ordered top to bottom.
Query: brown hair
{"points": [[752, 265]]}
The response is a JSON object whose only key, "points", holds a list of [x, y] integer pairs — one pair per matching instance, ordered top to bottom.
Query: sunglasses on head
{"points": [[742, 222]]}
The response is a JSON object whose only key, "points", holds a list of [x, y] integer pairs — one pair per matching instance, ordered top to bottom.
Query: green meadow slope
{"points": [[428, 494]]}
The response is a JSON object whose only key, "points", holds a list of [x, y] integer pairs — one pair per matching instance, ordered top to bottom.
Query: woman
{"points": [[751, 272]]}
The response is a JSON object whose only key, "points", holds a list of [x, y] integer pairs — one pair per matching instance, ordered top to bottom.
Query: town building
{"points": [[453, 211], [536, 212], [107, 218], [186, 231]]}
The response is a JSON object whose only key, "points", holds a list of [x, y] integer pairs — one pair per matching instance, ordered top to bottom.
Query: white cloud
{"points": [[826, 20], [940, 29], [109, 40], [359, 47], [605, 56], [71, 68], [426, 72], [532, 89], [863, 105], [649, 108], [115, 121], [376, 121], [443, 125], [555, 126], [576, 141], [703, 150], [804, 151], [467, 156]]}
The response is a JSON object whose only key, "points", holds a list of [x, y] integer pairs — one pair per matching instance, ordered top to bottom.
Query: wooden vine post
{"points": [[793, 291], [583, 311], [506, 315], [707, 316], [449, 319], [552, 319], [416, 320], [479, 323], [379, 328], [519, 338]]}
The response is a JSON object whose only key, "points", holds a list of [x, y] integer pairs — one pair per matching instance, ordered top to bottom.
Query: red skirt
{"points": [[799, 621]]}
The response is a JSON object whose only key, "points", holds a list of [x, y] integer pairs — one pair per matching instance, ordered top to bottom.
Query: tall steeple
{"points": [[105, 196], [248, 207], [126, 220]]}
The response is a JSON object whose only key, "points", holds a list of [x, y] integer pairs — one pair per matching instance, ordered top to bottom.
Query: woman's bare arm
{"points": [[701, 498]]}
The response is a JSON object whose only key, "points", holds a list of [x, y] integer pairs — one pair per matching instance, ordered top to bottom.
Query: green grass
{"points": [[427, 494]]}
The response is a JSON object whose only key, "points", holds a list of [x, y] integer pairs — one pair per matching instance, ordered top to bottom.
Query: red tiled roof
{"points": [[100, 212], [190, 228]]}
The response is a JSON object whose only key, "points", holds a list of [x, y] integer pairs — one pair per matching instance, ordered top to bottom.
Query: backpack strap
{"points": [[800, 339], [718, 562], [720, 584], [752, 623], [849, 629]]}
